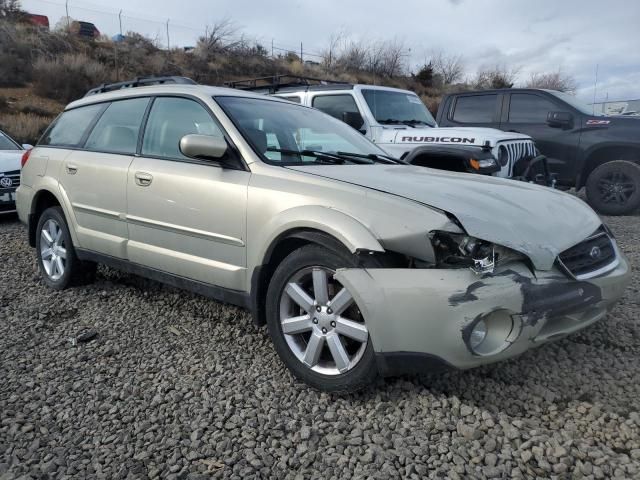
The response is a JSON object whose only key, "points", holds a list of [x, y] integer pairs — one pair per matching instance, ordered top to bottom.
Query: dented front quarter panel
{"points": [[537, 221], [430, 311]]}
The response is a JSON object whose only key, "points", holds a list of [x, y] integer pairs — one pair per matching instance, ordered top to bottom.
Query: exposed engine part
{"points": [[460, 251]]}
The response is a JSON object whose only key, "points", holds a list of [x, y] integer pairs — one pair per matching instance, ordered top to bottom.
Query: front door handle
{"points": [[71, 169], [143, 179]]}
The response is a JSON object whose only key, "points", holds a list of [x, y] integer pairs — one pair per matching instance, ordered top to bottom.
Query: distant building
{"points": [[620, 107]]}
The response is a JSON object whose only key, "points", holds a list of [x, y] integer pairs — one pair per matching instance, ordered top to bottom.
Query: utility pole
{"points": [[66, 7], [120, 20], [168, 43], [272, 49], [301, 59], [595, 88]]}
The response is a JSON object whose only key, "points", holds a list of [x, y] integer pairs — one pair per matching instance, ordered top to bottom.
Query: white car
{"points": [[10, 156]]}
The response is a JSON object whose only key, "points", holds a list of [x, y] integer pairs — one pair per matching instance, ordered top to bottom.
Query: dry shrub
{"points": [[68, 77], [24, 128]]}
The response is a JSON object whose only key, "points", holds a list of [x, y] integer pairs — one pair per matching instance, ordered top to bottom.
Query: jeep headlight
{"points": [[483, 164]]}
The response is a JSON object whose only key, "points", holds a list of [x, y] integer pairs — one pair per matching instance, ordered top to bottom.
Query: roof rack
{"points": [[139, 82], [279, 82]]}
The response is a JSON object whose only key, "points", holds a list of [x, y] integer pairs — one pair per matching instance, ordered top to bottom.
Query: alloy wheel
{"points": [[616, 187], [53, 252], [321, 322]]}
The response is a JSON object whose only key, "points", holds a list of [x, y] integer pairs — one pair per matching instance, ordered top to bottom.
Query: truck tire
{"points": [[613, 188]]}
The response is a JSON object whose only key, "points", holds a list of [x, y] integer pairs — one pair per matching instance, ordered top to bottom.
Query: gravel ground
{"points": [[178, 386]]}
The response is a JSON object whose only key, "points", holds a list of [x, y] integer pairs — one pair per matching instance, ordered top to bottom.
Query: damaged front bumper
{"points": [[421, 318]]}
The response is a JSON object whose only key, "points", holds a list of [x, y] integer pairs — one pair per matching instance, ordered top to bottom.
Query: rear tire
{"points": [[613, 188], [57, 260], [344, 360]]}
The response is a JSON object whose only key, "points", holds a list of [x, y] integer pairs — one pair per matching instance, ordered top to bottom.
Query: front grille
{"points": [[515, 150], [14, 176], [592, 257]]}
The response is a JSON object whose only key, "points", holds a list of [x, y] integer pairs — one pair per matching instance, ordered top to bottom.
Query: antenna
{"points": [[595, 88]]}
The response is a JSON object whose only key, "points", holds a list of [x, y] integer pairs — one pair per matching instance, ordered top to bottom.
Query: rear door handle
{"points": [[72, 169], [143, 179]]}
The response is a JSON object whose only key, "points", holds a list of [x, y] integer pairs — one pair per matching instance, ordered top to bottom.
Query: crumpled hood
{"points": [[450, 135], [10, 160], [537, 221]]}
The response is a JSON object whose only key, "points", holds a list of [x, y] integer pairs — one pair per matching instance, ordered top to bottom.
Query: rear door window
{"points": [[475, 108], [70, 127], [118, 127]]}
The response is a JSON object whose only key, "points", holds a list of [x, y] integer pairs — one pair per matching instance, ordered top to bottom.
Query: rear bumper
{"points": [[24, 196], [420, 319]]}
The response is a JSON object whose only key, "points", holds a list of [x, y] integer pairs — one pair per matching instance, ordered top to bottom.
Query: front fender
{"points": [[342, 226]]}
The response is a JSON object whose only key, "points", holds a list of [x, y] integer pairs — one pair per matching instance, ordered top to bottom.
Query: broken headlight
{"points": [[454, 250]]}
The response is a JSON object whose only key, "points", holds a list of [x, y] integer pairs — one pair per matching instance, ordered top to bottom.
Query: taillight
{"points": [[25, 157]]}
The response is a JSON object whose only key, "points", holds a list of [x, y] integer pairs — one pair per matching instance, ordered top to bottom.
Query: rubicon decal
{"points": [[598, 122], [439, 139]]}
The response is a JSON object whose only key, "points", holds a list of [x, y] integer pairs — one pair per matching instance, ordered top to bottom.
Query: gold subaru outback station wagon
{"points": [[359, 264]]}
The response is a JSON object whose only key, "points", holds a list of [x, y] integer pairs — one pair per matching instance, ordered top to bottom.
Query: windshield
{"points": [[574, 102], [390, 107], [289, 134], [7, 144]]}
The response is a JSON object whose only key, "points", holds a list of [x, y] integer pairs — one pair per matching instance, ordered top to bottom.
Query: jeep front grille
{"points": [[516, 150], [590, 258]]}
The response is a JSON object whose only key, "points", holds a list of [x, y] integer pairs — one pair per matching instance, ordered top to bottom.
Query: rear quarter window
{"points": [[475, 108], [70, 127]]}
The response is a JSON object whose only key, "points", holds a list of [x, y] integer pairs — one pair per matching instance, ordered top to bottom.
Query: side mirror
{"points": [[353, 119], [560, 119], [27, 146], [204, 147]]}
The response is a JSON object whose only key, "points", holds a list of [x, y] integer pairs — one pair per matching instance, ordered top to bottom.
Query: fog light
{"points": [[492, 333], [478, 334]]}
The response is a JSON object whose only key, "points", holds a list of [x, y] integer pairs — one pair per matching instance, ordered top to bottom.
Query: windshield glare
{"points": [[574, 102], [397, 107], [270, 125], [6, 143]]}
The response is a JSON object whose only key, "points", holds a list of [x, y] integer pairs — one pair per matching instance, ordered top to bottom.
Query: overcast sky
{"points": [[541, 35]]}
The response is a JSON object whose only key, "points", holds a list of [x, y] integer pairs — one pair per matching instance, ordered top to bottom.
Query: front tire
{"points": [[614, 188], [57, 260], [316, 327]]}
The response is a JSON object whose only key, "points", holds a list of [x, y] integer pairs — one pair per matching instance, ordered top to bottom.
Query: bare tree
{"points": [[10, 8], [222, 36], [330, 53], [354, 56], [384, 58], [391, 58], [449, 67], [498, 76], [552, 81]]}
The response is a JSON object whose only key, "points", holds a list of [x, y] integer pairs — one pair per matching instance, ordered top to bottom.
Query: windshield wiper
{"points": [[394, 121], [414, 122], [410, 123], [372, 156], [327, 157]]}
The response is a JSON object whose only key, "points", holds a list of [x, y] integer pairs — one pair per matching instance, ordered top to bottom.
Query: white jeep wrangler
{"points": [[398, 122]]}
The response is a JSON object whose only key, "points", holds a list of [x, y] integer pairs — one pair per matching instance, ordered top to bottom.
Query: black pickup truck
{"points": [[601, 153]]}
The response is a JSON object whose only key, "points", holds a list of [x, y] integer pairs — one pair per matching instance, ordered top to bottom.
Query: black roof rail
{"points": [[139, 82], [275, 83]]}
